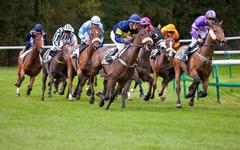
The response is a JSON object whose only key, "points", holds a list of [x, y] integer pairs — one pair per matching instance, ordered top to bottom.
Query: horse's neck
{"points": [[208, 47], [133, 52], [34, 53]]}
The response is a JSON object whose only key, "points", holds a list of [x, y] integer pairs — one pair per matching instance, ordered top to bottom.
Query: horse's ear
{"points": [[221, 23], [159, 26]]}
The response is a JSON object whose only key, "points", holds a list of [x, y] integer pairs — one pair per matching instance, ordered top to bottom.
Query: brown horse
{"points": [[200, 63], [30, 64], [162, 67], [83, 68], [123, 68], [56, 69]]}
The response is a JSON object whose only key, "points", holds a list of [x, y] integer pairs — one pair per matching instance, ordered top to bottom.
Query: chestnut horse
{"points": [[200, 63], [30, 64], [162, 67], [83, 68], [123, 68]]}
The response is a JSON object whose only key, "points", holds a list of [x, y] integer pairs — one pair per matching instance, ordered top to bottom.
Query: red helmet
{"points": [[145, 21]]}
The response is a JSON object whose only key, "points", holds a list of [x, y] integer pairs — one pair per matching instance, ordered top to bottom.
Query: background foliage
{"points": [[18, 17]]}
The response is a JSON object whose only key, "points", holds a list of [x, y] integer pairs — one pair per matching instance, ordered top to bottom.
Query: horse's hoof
{"points": [[16, 84], [61, 92], [88, 92], [27, 93], [17, 94], [160, 94], [202, 94], [49, 95], [141, 95], [189, 95], [78, 97], [146, 98], [162, 98], [42, 99], [91, 101], [101, 103], [191, 103], [178, 106]]}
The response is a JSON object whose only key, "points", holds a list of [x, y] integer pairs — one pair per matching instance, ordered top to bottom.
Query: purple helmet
{"points": [[210, 14], [135, 18], [145, 21]]}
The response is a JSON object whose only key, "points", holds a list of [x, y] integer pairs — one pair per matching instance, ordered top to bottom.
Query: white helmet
{"points": [[95, 20], [68, 27]]}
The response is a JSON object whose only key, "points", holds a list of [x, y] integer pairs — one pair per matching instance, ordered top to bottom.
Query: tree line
{"points": [[18, 17]]}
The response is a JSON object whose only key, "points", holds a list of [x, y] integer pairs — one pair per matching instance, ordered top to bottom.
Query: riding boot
{"points": [[185, 54], [50, 56], [110, 57]]}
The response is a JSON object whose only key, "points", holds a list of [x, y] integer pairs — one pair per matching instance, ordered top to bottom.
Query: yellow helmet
{"points": [[171, 27]]}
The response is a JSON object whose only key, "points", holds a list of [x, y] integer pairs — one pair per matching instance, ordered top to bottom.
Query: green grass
{"points": [[28, 123]]}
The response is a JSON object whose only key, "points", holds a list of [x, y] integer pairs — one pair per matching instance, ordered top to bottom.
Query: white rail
{"points": [[111, 44], [227, 62]]}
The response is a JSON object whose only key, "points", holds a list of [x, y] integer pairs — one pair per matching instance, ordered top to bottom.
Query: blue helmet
{"points": [[135, 18], [38, 27]]}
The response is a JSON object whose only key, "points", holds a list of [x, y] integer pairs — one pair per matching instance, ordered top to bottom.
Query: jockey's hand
{"points": [[129, 38], [200, 40], [126, 41]]}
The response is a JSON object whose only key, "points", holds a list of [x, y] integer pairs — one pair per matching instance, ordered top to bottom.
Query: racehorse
{"points": [[30, 64], [199, 64], [162, 67], [83, 68], [123, 68], [56, 69]]}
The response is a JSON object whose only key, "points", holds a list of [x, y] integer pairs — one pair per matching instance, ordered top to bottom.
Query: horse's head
{"points": [[217, 33], [95, 37], [143, 38], [38, 41]]}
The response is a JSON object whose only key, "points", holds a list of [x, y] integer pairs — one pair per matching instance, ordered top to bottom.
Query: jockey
{"points": [[146, 23], [200, 28], [85, 31], [171, 31], [122, 34], [64, 35], [30, 36]]}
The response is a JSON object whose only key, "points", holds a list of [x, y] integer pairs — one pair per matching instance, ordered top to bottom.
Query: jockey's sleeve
{"points": [[82, 30], [102, 34], [118, 36], [56, 38], [27, 39]]}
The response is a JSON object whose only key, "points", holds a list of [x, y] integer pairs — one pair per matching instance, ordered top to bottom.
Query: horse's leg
{"points": [[155, 76], [21, 77], [32, 78], [44, 79], [197, 79], [70, 80], [82, 80], [95, 81], [51, 82], [55, 84], [64, 84], [150, 85], [178, 87], [205, 87], [140, 88], [191, 89], [125, 91], [115, 92], [106, 96], [91, 100]]}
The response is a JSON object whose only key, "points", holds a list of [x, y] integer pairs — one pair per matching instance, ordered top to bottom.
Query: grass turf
{"points": [[28, 123]]}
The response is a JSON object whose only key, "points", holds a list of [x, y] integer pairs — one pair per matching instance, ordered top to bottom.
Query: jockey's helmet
{"points": [[210, 14], [135, 18], [96, 20], [145, 21], [38, 27], [68, 27], [171, 27]]}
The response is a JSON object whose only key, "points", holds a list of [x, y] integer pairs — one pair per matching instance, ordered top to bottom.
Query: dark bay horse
{"points": [[200, 63], [30, 64], [162, 67], [83, 68], [123, 68], [56, 69]]}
